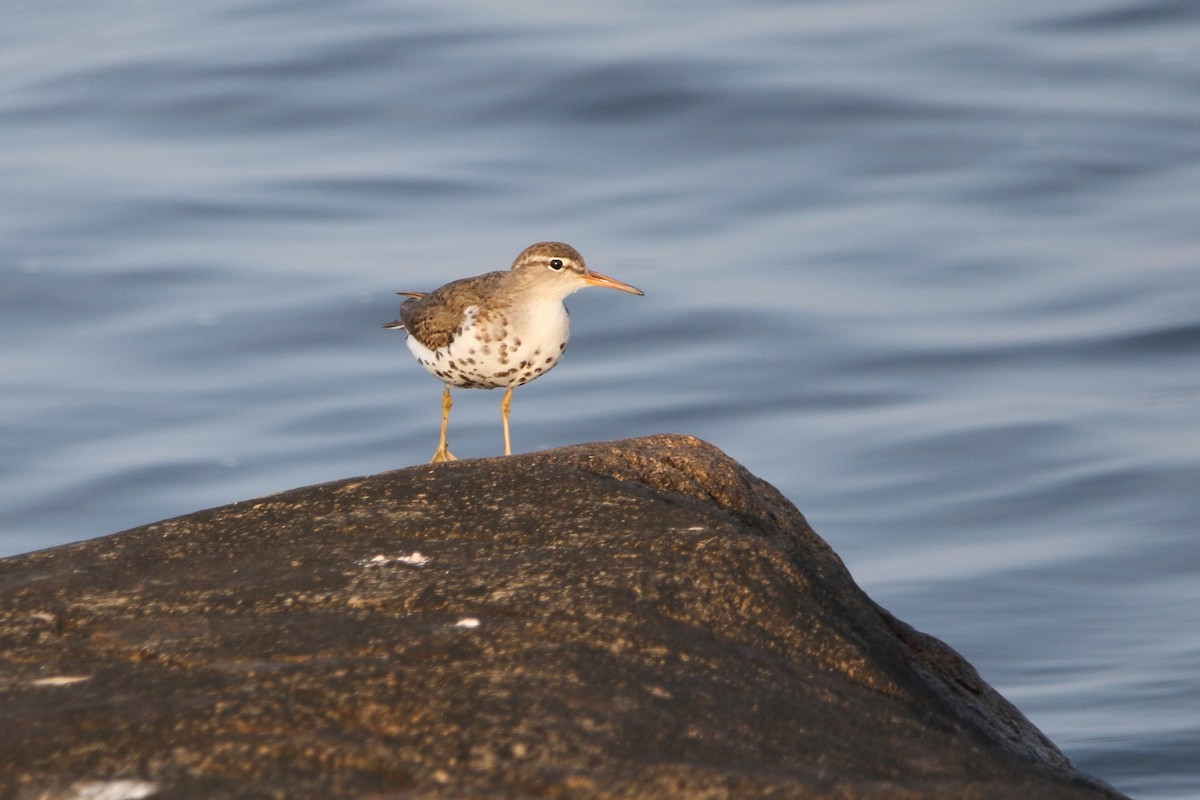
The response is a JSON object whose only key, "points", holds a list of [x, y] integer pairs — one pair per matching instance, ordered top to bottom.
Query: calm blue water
{"points": [[931, 268]]}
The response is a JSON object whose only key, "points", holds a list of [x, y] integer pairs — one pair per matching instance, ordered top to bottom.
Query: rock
{"points": [[638, 619]]}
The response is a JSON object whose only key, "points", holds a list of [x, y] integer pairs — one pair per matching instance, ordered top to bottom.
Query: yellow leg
{"points": [[505, 405], [443, 453]]}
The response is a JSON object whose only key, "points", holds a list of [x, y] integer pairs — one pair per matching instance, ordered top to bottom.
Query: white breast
{"points": [[505, 349]]}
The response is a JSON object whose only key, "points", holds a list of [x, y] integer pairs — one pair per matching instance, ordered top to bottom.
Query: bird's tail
{"points": [[397, 324]]}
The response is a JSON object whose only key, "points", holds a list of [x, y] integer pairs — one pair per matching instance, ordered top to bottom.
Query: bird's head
{"points": [[560, 269]]}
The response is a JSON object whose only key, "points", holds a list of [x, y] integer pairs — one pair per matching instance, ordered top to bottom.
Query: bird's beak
{"points": [[596, 279]]}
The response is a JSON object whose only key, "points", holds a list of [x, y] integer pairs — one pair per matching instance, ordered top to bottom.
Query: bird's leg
{"points": [[505, 405], [443, 453]]}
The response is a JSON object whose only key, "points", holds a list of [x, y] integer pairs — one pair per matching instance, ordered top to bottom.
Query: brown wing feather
{"points": [[434, 318]]}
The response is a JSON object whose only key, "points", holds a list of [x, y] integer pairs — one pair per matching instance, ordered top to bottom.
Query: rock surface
{"points": [[638, 619]]}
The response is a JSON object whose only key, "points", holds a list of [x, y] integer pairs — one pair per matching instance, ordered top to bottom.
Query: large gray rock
{"points": [[629, 620]]}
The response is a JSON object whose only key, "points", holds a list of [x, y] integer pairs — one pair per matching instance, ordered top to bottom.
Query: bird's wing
{"points": [[434, 318]]}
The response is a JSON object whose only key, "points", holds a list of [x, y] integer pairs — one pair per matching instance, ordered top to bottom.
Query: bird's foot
{"points": [[443, 454]]}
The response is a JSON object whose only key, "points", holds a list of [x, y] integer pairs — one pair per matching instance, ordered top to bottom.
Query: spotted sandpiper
{"points": [[499, 329]]}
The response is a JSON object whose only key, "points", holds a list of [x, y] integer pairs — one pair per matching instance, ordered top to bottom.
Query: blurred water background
{"points": [[931, 268]]}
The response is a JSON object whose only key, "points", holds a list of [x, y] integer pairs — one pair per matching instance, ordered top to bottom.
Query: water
{"points": [[931, 268]]}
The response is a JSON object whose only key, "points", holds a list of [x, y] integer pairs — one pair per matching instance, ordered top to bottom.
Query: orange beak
{"points": [[596, 279]]}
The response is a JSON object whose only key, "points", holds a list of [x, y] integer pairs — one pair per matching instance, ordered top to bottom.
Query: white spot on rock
{"points": [[415, 559], [60, 680], [109, 790]]}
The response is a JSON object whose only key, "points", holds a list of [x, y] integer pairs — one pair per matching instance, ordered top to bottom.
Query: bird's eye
{"points": [[556, 264]]}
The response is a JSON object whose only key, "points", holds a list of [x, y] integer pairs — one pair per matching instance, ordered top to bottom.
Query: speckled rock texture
{"points": [[635, 619]]}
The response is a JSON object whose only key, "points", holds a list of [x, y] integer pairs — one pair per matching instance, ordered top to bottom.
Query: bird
{"points": [[500, 329]]}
